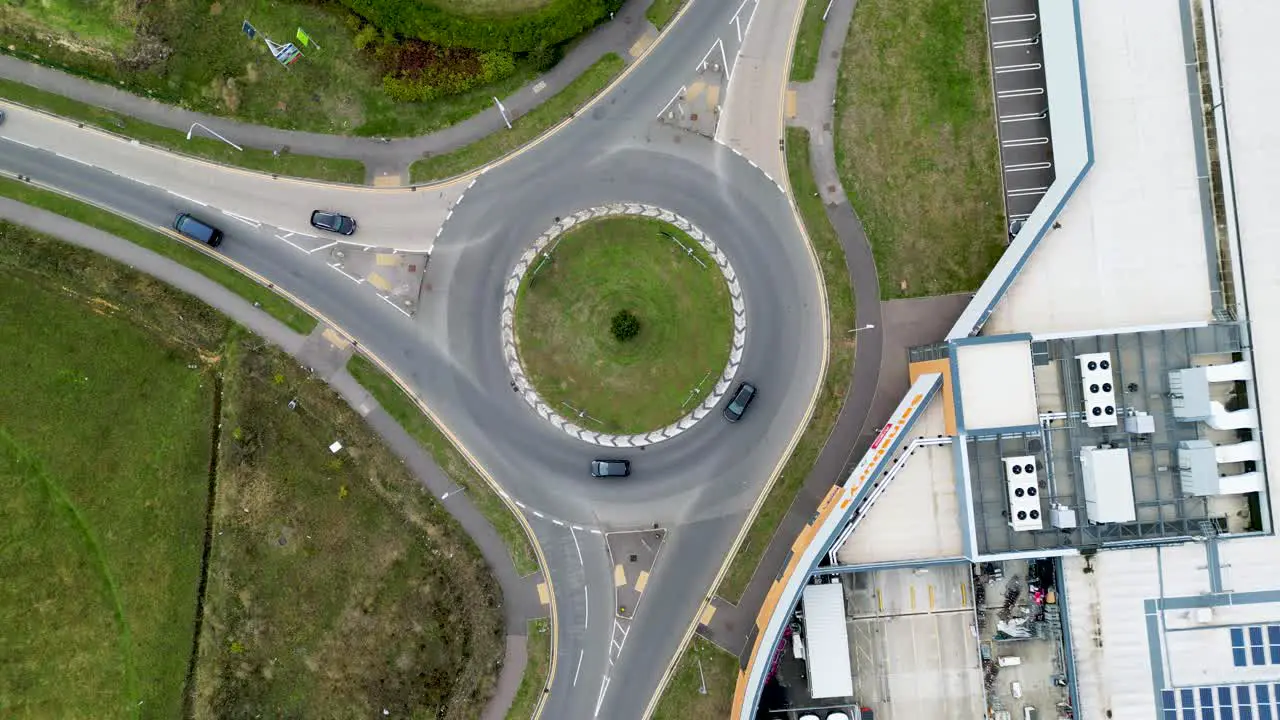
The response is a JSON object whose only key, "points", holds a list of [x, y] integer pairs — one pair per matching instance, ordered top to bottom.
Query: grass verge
{"points": [[660, 12], [804, 60], [526, 128], [916, 143], [289, 164], [273, 304], [563, 319], [835, 385], [406, 412], [104, 461], [336, 582], [534, 680], [683, 697]]}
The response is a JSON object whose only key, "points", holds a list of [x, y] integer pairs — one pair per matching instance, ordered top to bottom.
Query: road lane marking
{"points": [[190, 200], [246, 220], [296, 246], [322, 247], [353, 278], [392, 303], [558, 522], [577, 547], [586, 607], [575, 672], [604, 688]]}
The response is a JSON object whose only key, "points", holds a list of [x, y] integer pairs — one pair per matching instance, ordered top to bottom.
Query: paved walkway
{"points": [[380, 158], [520, 600]]}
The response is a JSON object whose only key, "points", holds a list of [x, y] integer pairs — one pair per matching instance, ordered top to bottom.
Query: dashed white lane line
{"points": [[19, 142], [73, 159], [190, 200], [519, 504], [535, 512], [561, 523], [596, 531], [575, 672]]}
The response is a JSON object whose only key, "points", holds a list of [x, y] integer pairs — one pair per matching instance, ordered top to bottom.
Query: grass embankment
{"points": [[660, 12], [193, 53], [804, 60], [525, 128], [916, 143], [200, 145], [157, 242], [563, 314], [835, 384], [406, 412], [104, 460], [336, 583], [538, 650], [683, 697]]}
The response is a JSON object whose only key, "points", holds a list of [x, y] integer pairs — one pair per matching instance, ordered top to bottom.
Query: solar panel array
{"points": [[1255, 645], [1256, 701]]}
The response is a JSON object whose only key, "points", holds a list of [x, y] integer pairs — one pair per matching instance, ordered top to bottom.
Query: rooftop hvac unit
{"points": [[1097, 386], [1108, 485], [1024, 493], [1061, 516]]}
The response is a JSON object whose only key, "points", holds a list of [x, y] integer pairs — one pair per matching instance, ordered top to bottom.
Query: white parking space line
{"points": [[1005, 19], [1020, 42], [1021, 67], [1024, 92], [1024, 117], [1025, 142], [1023, 167], [1028, 192], [190, 200], [353, 278]]}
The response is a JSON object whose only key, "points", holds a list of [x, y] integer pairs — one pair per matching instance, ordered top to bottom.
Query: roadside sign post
{"points": [[249, 30], [306, 40], [286, 54], [502, 110]]}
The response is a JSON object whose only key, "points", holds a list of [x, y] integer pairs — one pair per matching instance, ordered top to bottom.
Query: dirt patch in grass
{"points": [[525, 128], [916, 143], [563, 325], [835, 385], [406, 412], [538, 648], [683, 697]]}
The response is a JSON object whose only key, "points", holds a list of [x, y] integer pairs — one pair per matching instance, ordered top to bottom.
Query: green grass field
{"points": [[660, 12], [193, 53], [804, 60], [525, 129], [916, 143], [563, 314], [835, 385], [401, 407], [105, 438], [336, 582], [683, 698]]}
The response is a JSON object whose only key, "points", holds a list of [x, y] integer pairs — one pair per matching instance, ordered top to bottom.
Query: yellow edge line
{"points": [[785, 181]]}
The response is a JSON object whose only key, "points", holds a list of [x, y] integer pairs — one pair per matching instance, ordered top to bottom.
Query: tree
{"points": [[624, 325]]}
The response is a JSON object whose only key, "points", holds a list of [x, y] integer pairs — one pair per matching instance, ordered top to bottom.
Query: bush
{"points": [[553, 24], [365, 36], [544, 57], [420, 71], [624, 326]]}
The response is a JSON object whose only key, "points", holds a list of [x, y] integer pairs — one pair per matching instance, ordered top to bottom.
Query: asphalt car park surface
{"points": [[1022, 106]]}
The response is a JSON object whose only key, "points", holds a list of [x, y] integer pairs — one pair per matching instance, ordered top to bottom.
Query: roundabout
{"points": [[623, 325]]}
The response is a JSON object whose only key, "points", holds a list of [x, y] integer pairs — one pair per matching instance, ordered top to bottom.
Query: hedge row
{"points": [[554, 23], [440, 81]]}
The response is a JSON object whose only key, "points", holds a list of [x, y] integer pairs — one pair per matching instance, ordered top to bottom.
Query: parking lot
{"points": [[1022, 108]]}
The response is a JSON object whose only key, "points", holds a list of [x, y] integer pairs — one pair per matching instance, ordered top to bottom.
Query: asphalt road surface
{"points": [[699, 486]]}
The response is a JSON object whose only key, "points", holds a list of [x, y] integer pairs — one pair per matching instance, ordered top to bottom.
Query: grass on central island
{"points": [[563, 315]]}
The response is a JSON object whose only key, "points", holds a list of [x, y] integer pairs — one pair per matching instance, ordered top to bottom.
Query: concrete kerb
{"points": [[511, 352]]}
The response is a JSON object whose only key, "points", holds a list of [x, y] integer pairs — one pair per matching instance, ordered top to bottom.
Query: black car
{"points": [[333, 222], [742, 397], [610, 468]]}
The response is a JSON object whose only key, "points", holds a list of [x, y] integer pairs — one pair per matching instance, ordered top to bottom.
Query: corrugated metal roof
{"points": [[826, 639]]}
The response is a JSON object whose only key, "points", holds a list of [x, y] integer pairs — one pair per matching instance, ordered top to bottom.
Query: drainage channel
{"points": [[1021, 104], [188, 697]]}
